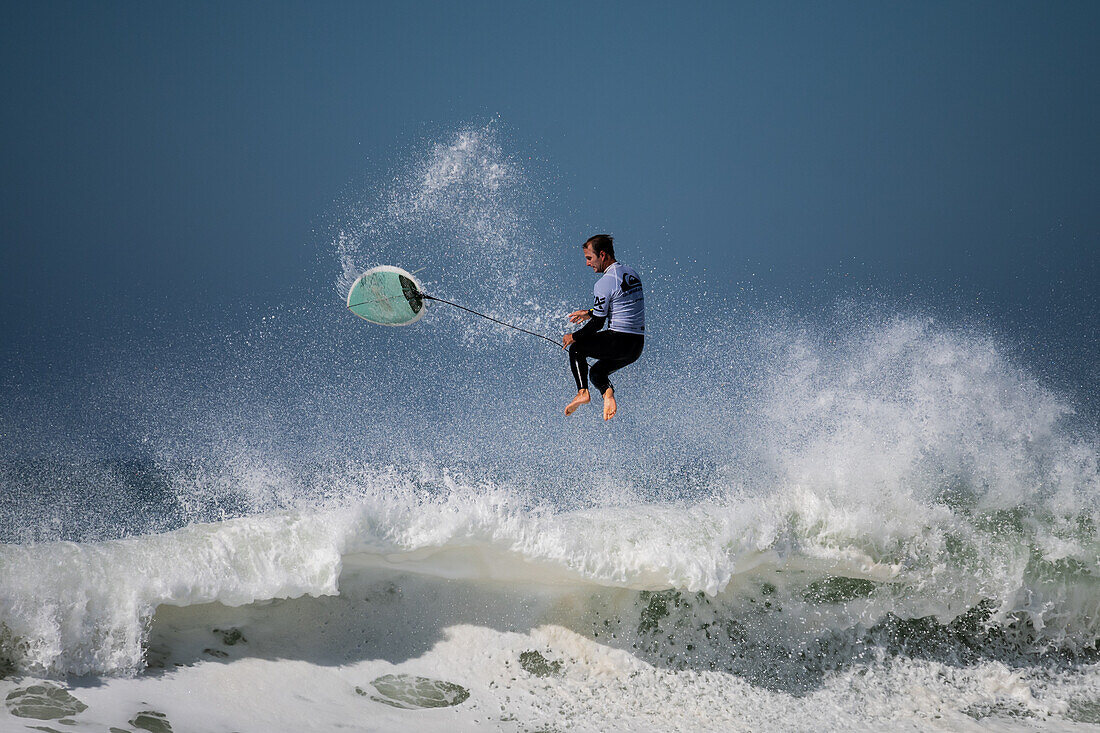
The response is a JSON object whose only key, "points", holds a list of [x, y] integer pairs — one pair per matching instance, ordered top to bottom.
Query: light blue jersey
{"points": [[618, 295]]}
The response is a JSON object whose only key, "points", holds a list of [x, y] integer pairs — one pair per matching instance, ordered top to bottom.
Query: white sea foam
{"points": [[458, 586], [80, 608]]}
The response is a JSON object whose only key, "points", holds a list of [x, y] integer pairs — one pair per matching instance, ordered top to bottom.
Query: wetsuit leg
{"points": [[629, 348], [612, 349], [578, 364]]}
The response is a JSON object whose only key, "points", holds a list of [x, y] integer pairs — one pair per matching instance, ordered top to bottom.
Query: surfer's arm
{"points": [[596, 315], [580, 316], [595, 323]]}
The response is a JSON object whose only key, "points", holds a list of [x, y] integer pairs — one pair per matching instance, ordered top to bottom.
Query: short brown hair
{"points": [[601, 243]]}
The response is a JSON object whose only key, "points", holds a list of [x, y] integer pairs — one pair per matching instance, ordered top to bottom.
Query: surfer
{"points": [[618, 302]]}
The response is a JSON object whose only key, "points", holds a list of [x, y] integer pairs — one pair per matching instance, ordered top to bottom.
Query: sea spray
{"points": [[466, 214]]}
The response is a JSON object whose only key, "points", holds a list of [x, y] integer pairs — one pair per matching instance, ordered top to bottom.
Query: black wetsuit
{"points": [[612, 350]]}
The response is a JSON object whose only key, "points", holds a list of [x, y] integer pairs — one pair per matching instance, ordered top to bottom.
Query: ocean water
{"points": [[876, 518]]}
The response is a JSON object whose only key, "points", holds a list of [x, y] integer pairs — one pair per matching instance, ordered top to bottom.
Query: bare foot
{"points": [[582, 398], [609, 406]]}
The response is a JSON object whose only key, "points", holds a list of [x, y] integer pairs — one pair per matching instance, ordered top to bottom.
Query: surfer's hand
{"points": [[580, 316], [567, 341]]}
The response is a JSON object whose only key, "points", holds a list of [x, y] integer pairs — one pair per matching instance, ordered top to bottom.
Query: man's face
{"points": [[598, 262]]}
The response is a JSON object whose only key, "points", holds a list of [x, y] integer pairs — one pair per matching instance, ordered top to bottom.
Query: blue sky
{"points": [[165, 163]]}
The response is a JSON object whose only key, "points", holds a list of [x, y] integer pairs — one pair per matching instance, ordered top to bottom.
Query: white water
{"points": [[456, 583], [84, 608]]}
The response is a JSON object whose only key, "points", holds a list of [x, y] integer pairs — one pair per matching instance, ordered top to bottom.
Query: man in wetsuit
{"points": [[619, 304]]}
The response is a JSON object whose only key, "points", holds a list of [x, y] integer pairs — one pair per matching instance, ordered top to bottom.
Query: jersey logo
{"points": [[630, 283], [599, 303]]}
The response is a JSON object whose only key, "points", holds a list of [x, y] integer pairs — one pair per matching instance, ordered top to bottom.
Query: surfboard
{"points": [[388, 296], [391, 296]]}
